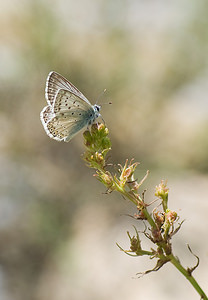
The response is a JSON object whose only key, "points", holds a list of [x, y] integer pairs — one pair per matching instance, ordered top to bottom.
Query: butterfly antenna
{"points": [[101, 94], [107, 103]]}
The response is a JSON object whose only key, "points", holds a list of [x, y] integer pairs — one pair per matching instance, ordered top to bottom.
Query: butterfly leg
{"points": [[102, 120]]}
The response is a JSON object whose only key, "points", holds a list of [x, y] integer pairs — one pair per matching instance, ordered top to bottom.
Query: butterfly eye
{"points": [[97, 107]]}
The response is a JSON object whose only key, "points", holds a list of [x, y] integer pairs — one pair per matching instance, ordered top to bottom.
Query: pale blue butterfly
{"points": [[68, 110]]}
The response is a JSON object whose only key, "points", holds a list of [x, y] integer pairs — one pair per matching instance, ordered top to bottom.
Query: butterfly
{"points": [[68, 110]]}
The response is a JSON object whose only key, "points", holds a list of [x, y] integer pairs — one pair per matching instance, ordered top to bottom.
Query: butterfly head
{"points": [[97, 110]]}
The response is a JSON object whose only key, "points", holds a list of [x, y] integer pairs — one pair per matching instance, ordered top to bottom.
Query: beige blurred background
{"points": [[57, 228]]}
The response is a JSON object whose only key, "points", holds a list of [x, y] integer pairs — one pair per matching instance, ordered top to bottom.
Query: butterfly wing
{"points": [[55, 82], [66, 100], [46, 114], [68, 115], [62, 129]]}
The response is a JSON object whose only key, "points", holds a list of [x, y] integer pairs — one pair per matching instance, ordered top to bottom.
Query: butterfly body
{"points": [[68, 110]]}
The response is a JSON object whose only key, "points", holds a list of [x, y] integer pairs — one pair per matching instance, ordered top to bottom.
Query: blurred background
{"points": [[57, 227]]}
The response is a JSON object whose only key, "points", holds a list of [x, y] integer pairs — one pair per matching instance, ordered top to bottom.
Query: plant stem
{"points": [[98, 144], [135, 201], [188, 276]]}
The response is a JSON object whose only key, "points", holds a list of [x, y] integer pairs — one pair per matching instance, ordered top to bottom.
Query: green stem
{"points": [[125, 194], [135, 201], [165, 202], [149, 218], [144, 252], [188, 276]]}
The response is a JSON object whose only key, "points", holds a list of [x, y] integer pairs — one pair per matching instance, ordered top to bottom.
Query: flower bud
{"points": [[162, 190], [170, 216]]}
